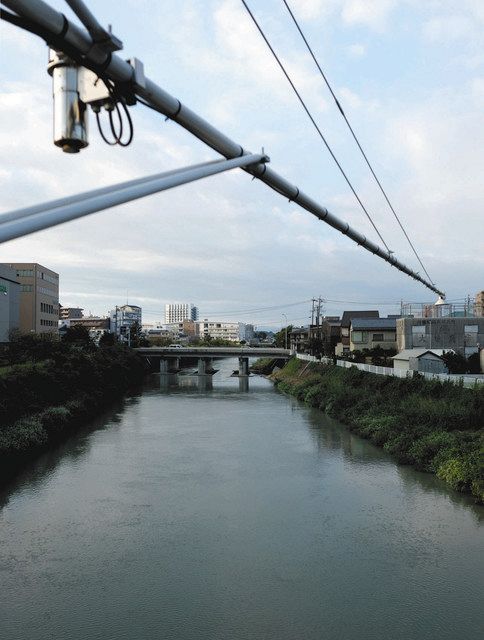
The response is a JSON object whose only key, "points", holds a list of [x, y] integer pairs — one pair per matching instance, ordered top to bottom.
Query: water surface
{"points": [[197, 513]]}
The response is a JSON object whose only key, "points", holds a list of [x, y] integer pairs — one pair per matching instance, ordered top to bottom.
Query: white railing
{"points": [[467, 380]]}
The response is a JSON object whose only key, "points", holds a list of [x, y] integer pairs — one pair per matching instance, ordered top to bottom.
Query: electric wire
{"points": [[340, 109], [313, 121]]}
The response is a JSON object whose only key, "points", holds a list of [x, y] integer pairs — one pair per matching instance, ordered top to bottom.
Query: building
{"points": [[39, 297], [9, 302], [479, 305], [180, 311], [69, 313], [123, 318], [96, 326], [219, 330], [370, 333], [326, 335], [462, 335], [299, 340], [343, 346], [424, 360]]}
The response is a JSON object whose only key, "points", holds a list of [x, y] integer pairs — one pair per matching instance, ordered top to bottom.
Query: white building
{"points": [[177, 312], [123, 318], [220, 330], [426, 360]]}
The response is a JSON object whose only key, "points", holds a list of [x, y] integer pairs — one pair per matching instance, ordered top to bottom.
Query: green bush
{"points": [[433, 425]]}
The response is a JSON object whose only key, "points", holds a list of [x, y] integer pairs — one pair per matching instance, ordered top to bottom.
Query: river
{"points": [[195, 513]]}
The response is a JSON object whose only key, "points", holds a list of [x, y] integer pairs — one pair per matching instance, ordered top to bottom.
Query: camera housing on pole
{"points": [[70, 113]]}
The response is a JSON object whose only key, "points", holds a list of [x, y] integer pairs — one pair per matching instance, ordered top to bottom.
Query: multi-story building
{"points": [[39, 297], [9, 302], [479, 305], [178, 312], [70, 313], [123, 318], [219, 330], [369, 333], [463, 335], [343, 346]]}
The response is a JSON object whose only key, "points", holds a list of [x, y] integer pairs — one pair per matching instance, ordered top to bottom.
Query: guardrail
{"points": [[466, 380]]}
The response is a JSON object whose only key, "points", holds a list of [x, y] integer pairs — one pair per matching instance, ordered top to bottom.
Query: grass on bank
{"points": [[434, 426]]}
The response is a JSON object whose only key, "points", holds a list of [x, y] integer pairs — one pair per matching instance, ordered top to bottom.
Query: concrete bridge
{"points": [[170, 357]]}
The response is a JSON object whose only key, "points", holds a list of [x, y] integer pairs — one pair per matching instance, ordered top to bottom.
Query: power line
{"points": [[306, 109], [340, 109], [243, 311]]}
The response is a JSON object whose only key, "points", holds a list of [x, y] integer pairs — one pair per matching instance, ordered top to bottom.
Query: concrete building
{"points": [[39, 297], [9, 302], [479, 305], [177, 312], [70, 313], [123, 318], [219, 330], [369, 333], [462, 335], [299, 339], [424, 360]]}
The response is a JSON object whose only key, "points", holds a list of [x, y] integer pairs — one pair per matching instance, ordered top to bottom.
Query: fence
{"points": [[466, 380]]}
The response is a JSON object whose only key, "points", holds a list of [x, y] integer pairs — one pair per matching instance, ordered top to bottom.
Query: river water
{"points": [[195, 513]]}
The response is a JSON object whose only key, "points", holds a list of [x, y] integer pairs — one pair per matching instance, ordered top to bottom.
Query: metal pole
{"points": [[118, 70], [45, 206], [56, 215], [285, 341]]}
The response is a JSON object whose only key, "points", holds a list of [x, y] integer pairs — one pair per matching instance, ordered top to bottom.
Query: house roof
{"points": [[348, 315], [366, 324], [418, 353]]}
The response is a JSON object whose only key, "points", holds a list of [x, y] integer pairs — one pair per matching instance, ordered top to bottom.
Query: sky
{"points": [[410, 77]]}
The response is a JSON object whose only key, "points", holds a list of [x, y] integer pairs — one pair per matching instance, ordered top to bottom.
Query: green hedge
{"points": [[41, 402], [435, 426]]}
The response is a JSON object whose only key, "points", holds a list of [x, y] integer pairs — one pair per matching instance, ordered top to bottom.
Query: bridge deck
{"points": [[214, 352]]}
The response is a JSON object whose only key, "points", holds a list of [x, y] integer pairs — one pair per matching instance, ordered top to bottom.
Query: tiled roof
{"points": [[348, 315], [365, 324]]}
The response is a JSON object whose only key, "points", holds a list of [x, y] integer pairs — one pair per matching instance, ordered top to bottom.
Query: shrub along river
{"points": [[219, 513]]}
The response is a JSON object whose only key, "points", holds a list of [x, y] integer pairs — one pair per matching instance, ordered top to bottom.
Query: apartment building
{"points": [[39, 297], [9, 302], [178, 312], [70, 313], [124, 317], [230, 331], [463, 335]]}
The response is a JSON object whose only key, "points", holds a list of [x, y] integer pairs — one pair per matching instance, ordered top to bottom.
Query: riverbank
{"points": [[43, 402], [436, 427]]}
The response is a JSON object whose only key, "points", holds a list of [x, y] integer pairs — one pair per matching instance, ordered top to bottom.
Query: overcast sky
{"points": [[410, 76]]}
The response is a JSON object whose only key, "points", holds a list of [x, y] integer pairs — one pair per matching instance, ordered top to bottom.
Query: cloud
{"points": [[374, 14], [356, 50]]}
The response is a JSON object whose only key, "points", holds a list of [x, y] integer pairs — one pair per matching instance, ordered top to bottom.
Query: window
{"points": [[25, 273], [26, 287], [418, 335], [470, 335], [359, 336], [378, 337]]}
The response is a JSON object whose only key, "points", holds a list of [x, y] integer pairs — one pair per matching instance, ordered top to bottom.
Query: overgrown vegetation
{"points": [[52, 386], [435, 426]]}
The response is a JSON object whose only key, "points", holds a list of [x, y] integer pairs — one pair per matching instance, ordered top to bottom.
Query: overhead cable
{"points": [[340, 109], [320, 133]]}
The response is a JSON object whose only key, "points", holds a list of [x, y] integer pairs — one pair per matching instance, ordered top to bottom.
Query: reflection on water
{"points": [[220, 508]]}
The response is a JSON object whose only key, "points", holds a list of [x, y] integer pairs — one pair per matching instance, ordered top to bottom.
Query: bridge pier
{"points": [[169, 365], [205, 367], [243, 367]]}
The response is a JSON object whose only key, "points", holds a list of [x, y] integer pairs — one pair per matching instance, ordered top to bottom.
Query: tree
{"points": [[78, 335], [135, 337], [280, 337], [107, 339], [455, 362]]}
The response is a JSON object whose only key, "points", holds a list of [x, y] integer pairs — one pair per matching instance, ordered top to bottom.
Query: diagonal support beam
{"points": [[16, 224]]}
